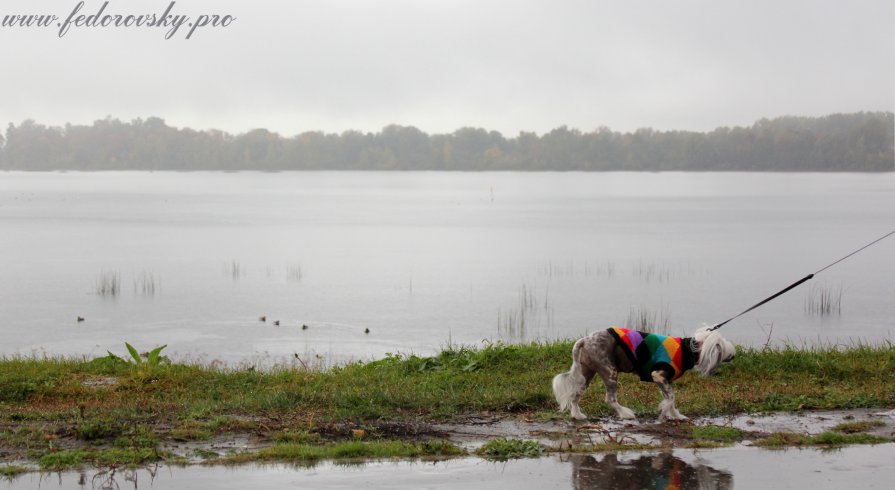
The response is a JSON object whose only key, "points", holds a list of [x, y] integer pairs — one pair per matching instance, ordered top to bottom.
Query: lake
{"points": [[354, 265]]}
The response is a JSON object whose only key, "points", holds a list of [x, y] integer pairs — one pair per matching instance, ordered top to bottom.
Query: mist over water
{"points": [[424, 259]]}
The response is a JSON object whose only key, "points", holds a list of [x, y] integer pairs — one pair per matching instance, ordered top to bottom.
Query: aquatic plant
{"points": [[234, 269], [294, 273], [108, 283], [146, 284], [823, 300], [527, 312], [647, 320]]}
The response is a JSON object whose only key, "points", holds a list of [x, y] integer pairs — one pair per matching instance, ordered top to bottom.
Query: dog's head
{"points": [[713, 350]]}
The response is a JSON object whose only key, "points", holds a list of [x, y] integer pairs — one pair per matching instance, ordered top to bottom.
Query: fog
{"points": [[509, 66]]}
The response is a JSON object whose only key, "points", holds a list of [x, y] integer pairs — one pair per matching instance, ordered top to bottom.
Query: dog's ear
{"points": [[717, 354]]}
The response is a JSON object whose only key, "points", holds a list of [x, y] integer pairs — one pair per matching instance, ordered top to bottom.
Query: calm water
{"points": [[427, 259], [721, 469]]}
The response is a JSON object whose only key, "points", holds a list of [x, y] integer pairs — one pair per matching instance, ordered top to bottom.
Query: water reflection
{"points": [[658, 471], [111, 478]]}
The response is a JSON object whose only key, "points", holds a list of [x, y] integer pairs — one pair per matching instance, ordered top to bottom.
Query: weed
{"points": [[234, 269], [294, 273], [108, 283], [146, 284], [823, 301], [526, 314], [646, 320], [153, 357], [858, 426], [98, 428], [191, 432], [716, 433], [140, 436], [297, 437], [784, 439], [503, 449], [352, 450], [206, 453], [76, 458], [10, 471]]}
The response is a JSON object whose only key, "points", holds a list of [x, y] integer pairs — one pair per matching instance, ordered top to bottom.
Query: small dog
{"points": [[654, 357]]}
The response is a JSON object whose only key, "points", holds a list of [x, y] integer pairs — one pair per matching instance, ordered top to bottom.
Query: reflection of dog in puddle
{"points": [[653, 357], [659, 471]]}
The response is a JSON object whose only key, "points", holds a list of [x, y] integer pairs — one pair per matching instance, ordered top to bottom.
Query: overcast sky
{"points": [[333, 65]]}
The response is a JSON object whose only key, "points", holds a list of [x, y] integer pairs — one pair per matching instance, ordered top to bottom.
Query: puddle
{"points": [[813, 422], [562, 434], [743, 467]]}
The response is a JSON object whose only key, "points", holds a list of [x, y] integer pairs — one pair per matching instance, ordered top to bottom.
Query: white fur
{"points": [[714, 350], [596, 353], [568, 385]]}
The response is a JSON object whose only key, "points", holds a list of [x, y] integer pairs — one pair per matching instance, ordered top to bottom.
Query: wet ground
{"points": [[560, 435], [742, 464], [740, 467]]}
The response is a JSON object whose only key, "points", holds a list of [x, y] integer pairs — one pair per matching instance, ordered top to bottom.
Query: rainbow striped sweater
{"points": [[650, 352]]}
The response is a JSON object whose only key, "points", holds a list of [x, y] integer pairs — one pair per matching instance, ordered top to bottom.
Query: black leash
{"points": [[800, 281]]}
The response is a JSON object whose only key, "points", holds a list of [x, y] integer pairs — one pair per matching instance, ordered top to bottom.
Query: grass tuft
{"points": [[858, 426], [717, 433], [785, 439], [503, 449], [350, 450], [76, 458], [10, 471]]}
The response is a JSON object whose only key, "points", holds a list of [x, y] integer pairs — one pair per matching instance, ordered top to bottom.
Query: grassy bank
{"points": [[65, 412]]}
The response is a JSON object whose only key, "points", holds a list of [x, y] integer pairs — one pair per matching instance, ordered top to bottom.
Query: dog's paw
{"points": [[626, 413], [578, 415], [672, 417]]}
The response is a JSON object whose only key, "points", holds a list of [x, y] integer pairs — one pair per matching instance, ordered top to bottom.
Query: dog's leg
{"points": [[585, 378], [610, 380], [570, 386], [667, 410]]}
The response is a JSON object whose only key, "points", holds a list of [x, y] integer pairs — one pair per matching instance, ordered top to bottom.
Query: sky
{"points": [[517, 65]]}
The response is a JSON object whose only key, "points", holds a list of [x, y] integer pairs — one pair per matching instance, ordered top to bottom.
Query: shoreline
{"points": [[60, 413]]}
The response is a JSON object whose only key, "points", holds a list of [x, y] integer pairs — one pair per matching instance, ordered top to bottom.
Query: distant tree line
{"points": [[839, 142]]}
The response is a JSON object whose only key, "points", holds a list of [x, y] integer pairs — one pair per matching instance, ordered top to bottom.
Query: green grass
{"points": [[497, 378], [45, 399], [858, 426], [716, 433], [827, 439], [503, 449], [349, 450], [76, 458], [10, 471]]}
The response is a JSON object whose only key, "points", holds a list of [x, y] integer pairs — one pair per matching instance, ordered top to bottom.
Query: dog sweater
{"points": [[650, 352]]}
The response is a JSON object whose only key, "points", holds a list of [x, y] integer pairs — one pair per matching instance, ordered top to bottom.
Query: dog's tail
{"points": [[566, 385]]}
